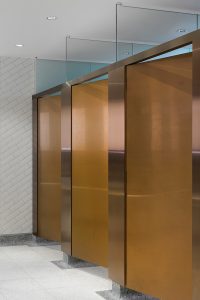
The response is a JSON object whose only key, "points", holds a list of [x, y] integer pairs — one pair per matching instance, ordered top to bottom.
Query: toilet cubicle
{"points": [[47, 167], [130, 170], [90, 172]]}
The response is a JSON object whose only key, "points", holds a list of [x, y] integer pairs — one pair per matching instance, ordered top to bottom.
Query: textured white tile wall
{"points": [[16, 89]]}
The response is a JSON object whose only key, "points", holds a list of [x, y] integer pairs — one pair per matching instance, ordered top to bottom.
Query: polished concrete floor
{"points": [[28, 273]]}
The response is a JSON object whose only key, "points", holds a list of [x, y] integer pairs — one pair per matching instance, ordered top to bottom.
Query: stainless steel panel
{"points": [[35, 161], [196, 168], [116, 176], [66, 204]]}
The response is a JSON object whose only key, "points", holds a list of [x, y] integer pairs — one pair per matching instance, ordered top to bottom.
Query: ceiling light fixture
{"points": [[51, 18], [181, 30], [19, 45]]}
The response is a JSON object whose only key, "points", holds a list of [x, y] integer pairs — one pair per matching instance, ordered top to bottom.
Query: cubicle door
{"points": [[49, 168], [90, 172], [159, 178]]}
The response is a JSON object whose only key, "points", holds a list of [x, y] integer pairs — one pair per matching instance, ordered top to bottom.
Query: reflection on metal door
{"points": [[49, 168], [90, 172], [159, 178]]}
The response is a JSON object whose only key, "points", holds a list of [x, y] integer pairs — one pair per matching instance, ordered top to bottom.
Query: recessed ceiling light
{"points": [[51, 18], [181, 30], [19, 45]]}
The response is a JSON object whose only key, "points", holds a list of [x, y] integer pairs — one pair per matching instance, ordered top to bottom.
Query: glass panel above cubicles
{"points": [[146, 28], [138, 29], [86, 50], [179, 51], [101, 52], [50, 73]]}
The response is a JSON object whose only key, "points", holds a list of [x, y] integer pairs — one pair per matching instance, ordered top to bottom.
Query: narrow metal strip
{"points": [[35, 162], [66, 167], [196, 168], [116, 176]]}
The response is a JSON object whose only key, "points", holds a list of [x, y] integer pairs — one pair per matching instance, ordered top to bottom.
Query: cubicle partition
{"points": [[47, 125], [131, 171], [90, 172], [159, 173]]}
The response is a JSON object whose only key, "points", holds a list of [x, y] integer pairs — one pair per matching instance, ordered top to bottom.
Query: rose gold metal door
{"points": [[49, 168], [90, 172], [159, 178]]}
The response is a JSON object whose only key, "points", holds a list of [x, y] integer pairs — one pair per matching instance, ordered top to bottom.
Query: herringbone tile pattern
{"points": [[16, 89]]}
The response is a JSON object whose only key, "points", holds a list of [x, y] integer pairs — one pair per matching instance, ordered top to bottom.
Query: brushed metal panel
{"points": [[35, 162], [49, 168], [196, 168], [66, 169], [90, 172], [159, 178], [117, 205], [159, 245]]}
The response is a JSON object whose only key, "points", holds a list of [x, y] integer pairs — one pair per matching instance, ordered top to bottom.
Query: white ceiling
{"points": [[24, 22]]}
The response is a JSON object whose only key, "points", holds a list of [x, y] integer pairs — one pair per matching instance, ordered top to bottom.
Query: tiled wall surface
{"points": [[16, 88]]}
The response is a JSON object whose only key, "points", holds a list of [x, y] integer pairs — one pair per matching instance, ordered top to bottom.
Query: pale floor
{"points": [[27, 273]]}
